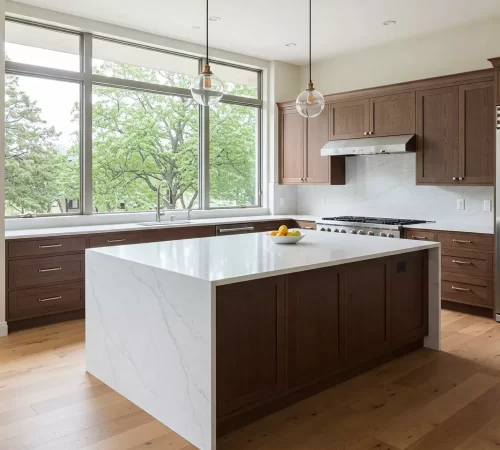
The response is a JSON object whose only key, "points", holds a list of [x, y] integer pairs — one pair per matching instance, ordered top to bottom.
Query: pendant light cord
{"points": [[207, 32], [310, 39]]}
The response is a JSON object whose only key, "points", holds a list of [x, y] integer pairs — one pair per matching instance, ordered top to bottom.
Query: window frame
{"points": [[87, 79]]}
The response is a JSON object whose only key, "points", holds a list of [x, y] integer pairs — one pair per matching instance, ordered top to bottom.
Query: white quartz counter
{"points": [[456, 226], [92, 229], [228, 259]]}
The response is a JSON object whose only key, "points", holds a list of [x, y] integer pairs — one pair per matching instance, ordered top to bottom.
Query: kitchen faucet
{"points": [[158, 209]]}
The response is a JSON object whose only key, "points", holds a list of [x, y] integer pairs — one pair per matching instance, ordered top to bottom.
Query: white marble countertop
{"points": [[456, 226], [92, 229], [228, 259]]}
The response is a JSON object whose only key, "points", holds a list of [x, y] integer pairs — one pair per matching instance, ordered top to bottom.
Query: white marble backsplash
{"points": [[385, 186]]}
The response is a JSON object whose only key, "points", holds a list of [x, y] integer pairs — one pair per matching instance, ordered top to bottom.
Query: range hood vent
{"points": [[388, 145]]}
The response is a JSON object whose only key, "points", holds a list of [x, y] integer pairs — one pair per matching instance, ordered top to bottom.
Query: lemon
{"points": [[283, 229], [274, 233], [290, 233]]}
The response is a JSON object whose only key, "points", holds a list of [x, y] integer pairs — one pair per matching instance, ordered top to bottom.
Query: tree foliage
{"points": [[139, 139]]}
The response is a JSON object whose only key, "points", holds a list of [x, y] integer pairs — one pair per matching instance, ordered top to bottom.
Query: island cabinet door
{"points": [[408, 298], [366, 314], [312, 321], [250, 343]]}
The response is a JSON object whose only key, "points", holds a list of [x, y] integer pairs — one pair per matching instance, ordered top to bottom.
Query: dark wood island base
{"points": [[285, 338]]}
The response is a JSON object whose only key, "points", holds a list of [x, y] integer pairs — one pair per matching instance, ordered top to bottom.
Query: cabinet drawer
{"points": [[272, 225], [306, 225], [177, 233], [419, 235], [110, 239], [466, 241], [45, 247], [467, 263], [42, 271], [468, 291], [37, 302]]}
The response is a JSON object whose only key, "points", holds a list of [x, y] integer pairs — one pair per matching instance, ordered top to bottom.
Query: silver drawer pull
{"points": [[234, 230], [421, 238], [110, 241], [458, 241], [50, 246], [461, 262], [52, 269], [460, 289], [50, 299]]}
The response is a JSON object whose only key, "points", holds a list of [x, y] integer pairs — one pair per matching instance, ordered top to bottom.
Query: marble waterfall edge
{"points": [[158, 355]]}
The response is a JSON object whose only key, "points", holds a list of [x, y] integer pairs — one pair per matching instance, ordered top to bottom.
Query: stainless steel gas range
{"points": [[369, 226]]}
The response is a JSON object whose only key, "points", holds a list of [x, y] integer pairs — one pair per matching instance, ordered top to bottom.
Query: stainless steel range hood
{"points": [[388, 145]]}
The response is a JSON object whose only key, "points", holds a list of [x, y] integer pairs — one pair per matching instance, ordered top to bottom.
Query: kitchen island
{"points": [[208, 334]]}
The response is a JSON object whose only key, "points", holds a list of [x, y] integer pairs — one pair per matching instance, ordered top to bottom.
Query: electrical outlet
{"points": [[323, 200], [282, 201], [461, 203], [487, 205]]}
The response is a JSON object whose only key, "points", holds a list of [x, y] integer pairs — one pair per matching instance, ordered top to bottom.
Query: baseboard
{"points": [[4, 329]]}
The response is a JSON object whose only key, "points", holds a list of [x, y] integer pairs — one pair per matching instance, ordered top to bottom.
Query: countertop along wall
{"points": [[385, 185]]}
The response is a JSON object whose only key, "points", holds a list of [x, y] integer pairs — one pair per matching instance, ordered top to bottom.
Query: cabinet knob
{"points": [[371, 132], [366, 133], [454, 178], [460, 178]]}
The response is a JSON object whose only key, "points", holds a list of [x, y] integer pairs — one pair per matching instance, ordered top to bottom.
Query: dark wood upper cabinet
{"points": [[392, 115], [349, 119], [477, 133], [292, 135], [438, 136], [301, 141], [313, 328], [250, 336]]}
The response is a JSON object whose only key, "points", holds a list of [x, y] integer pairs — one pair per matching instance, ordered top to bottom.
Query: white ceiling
{"points": [[261, 28]]}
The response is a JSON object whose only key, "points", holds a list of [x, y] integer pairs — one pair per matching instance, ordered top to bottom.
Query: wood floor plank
{"points": [[13, 416], [169, 440]]}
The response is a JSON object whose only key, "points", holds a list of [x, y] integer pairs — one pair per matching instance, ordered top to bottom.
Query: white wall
{"points": [[454, 51], [385, 185], [3, 324]]}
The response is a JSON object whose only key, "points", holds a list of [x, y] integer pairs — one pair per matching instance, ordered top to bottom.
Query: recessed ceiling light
{"points": [[215, 18], [389, 22], [196, 27], [291, 44]]}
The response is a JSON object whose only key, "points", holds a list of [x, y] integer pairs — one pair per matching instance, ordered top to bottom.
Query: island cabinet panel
{"points": [[393, 115], [349, 119], [477, 134], [438, 136], [173, 234], [408, 303], [366, 316], [313, 327], [250, 338]]}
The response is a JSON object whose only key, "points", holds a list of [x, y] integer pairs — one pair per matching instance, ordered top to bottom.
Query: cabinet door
{"points": [[393, 115], [350, 119], [292, 132], [477, 133], [438, 136], [321, 169], [174, 234], [408, 297], [367, 334], [250, 343], [313, 347]]}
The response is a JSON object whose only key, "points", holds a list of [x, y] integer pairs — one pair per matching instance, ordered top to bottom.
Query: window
{"points": [[42, 47], [140, 123], [140, 139], [234, 145], [42, 146]]}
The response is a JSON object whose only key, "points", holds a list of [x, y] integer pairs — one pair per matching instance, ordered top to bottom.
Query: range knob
{"points": [[322, 229], [329, 230], [336, 230], [343, 231], [353, 231], [361, 232], [370, 233], [383, 234], [390, 235]]}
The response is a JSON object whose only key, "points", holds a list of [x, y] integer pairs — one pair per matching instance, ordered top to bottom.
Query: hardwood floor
{"points": [[426, 400]]}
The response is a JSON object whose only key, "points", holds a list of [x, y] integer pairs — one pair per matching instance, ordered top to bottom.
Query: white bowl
{"points": [[286, 239]]}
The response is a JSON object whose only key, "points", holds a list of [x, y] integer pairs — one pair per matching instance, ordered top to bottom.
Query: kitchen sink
{"points": [[163, 224]]}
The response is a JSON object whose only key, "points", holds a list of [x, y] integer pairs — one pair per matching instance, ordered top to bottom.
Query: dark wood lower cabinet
{"points": [[284, 338]]}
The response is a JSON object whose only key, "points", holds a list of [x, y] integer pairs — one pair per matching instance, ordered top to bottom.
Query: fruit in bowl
{"points": [[285, 236]]}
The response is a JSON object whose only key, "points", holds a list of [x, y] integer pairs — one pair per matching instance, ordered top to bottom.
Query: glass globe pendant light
{"points": [[207, 89], [310, 102]]}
